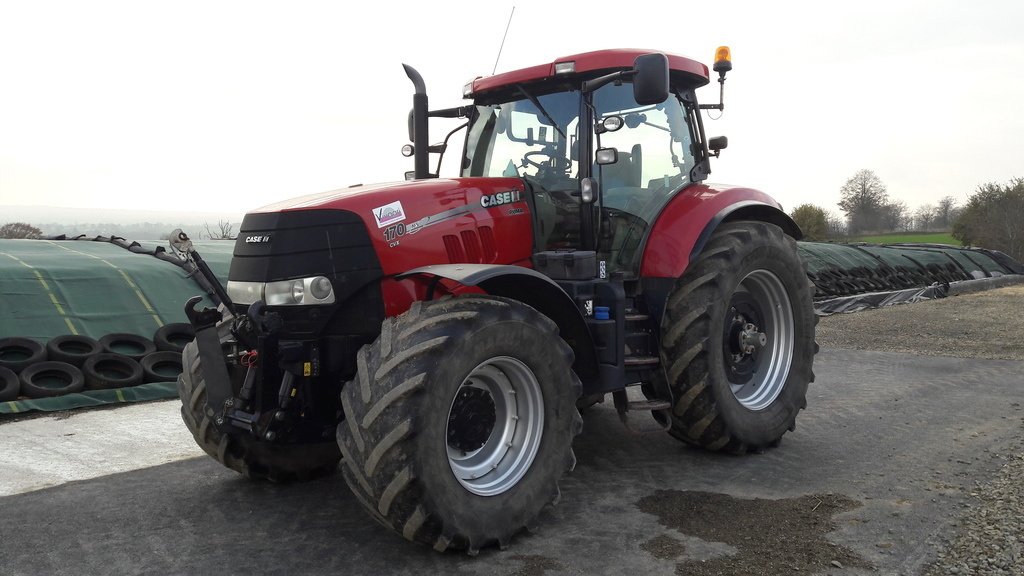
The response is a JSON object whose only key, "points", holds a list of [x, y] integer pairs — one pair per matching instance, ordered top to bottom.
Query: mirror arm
{"points": [[594, 84], [460, 112], [441, 148]]}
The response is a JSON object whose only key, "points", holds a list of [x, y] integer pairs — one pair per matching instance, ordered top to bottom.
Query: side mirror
{"points": [[650, 79], [412, 126], [717, 144], [606, 156]]}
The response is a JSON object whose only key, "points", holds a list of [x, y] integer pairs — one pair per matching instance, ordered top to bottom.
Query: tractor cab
{"points": [[603, 141]]}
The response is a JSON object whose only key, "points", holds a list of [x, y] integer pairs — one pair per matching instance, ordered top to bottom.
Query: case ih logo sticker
{"points": [[501, 198], [389, 214], [257, 239]]}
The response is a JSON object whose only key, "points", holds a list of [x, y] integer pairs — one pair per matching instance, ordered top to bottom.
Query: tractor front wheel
{"points": [[738, 340], [460, 421]]}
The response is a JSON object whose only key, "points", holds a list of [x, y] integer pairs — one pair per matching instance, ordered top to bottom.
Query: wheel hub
{"points": [[743, 339], [757, 339], [751, 340], [471, 419], [495, 425]]}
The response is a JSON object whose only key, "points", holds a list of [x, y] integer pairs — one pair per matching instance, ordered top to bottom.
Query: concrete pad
{"points": [[51, 450]]}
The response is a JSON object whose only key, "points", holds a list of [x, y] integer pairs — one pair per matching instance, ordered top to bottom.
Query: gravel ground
{"points": [[976, 325], [990, 532]]}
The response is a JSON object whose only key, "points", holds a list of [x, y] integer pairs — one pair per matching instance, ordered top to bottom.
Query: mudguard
{"points": [[687, 222], [534, 289]]}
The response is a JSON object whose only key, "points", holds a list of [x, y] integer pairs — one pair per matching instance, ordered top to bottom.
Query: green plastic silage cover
{"points": [[818, 256], [896, 256], [50, 288], [140, 393]]}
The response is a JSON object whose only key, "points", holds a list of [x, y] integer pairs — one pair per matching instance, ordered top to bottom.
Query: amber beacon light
{"points": [[723, 60], [723, 64]]}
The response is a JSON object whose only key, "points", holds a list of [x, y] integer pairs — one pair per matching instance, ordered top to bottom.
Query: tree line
{"points": [[868, 209], [993, 216]]}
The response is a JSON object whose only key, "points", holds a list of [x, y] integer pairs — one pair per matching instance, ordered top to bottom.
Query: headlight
{"points": [[320, 288], [245, 292], [298, 292], [283, 293]]}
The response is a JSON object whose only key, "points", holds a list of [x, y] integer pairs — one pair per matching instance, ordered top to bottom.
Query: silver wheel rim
{"points": [[774, 358], [512, 442]]}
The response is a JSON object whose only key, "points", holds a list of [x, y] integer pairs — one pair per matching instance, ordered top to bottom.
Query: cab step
{"points": [[642, 361], [623, 405], [634, 405]]}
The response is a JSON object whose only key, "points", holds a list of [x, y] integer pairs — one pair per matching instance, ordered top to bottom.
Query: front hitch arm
{"points": [[182, 244], [212, 365]]}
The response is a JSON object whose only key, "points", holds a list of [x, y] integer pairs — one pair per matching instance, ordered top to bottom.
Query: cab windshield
{"points": [[521, 138], [535, 138]]}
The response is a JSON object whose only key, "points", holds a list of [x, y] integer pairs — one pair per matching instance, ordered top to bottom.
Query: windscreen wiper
{"points": [[536, 103]]}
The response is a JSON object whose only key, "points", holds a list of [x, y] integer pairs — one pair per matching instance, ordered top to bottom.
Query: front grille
{"points": [[333, 243]]}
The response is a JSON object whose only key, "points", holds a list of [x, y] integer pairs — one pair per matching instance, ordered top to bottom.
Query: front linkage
{"points": [[255, 344]]}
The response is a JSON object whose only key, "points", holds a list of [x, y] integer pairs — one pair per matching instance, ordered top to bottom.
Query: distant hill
{"points": [[130, 224]]}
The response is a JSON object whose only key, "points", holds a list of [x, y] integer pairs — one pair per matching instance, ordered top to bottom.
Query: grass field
{"points": [[897, 237]]}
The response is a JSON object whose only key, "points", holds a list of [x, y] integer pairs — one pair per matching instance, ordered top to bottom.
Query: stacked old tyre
{"points": [[74, 362], [165, 365], [25, 371]]}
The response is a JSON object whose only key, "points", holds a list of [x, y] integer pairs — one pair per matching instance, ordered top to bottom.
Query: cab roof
{"points": [[692, 72]]}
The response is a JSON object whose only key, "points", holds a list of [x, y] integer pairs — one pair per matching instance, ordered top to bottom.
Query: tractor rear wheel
{"points": [[737, 340], [460, 421]]}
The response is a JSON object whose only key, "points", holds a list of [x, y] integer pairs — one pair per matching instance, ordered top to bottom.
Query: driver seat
{"points": [[625, 172], [620, 182]]}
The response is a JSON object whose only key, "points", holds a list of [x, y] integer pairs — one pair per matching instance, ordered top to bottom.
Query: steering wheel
{"points": [[540, 165]]}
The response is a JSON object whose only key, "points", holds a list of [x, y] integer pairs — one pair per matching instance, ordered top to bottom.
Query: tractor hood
{"points": [[421, 222]]}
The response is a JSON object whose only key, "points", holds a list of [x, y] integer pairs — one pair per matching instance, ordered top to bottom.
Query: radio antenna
{"points": [[500, 48]]}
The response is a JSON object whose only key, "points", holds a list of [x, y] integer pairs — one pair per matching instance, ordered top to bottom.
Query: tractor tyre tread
{"points": [[690, 318], [387, 400]]}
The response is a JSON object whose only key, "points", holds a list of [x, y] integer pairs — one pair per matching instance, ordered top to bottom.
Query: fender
{"points": [[691, 217], [534, 289]]}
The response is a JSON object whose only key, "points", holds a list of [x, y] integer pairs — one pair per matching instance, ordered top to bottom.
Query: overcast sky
{"points": [[228, 106]]}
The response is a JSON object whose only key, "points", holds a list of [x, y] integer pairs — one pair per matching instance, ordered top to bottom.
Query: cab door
{"points": [[654, 158]]}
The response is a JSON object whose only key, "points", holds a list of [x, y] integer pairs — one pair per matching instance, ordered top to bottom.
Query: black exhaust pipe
{"points": [[420, 140]]}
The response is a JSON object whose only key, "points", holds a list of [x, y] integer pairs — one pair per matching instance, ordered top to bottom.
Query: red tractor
{"points": [[440, 335]]}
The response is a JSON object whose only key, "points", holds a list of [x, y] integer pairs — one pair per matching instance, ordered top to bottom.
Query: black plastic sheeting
{"points": [[851, 277]]}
